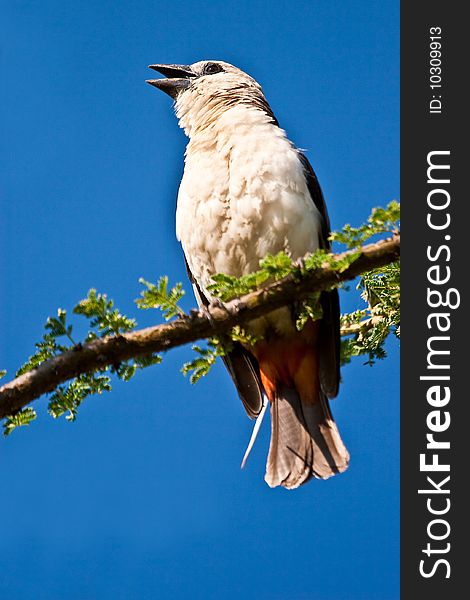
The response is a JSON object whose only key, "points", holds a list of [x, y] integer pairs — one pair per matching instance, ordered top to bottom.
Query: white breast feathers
{"points": [[243, 195]]}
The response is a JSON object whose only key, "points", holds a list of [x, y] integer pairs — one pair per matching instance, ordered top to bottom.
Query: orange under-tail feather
{"points": [[305, 441]]}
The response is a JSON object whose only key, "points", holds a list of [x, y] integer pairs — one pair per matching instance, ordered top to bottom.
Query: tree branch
{"points": [[361, 327], [112, 350]]}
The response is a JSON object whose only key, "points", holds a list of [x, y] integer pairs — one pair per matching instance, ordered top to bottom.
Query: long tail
{"points": [[305, 441]]}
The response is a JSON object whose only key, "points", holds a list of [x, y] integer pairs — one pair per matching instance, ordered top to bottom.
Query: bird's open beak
{"points": [[177, 78]]}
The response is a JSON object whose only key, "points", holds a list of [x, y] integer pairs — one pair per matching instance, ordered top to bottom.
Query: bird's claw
{"points": [[300, 263], [217, 303]]}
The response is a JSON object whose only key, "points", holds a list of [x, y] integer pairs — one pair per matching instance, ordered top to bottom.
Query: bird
{"points": [[247, 191]]}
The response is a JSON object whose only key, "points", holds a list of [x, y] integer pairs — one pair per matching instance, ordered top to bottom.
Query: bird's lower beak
{"points": [[178, 78]]}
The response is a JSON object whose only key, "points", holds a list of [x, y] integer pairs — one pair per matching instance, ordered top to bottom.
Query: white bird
{"points": [[246, 192]]}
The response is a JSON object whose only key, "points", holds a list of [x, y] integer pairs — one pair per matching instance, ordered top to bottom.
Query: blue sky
{"points": [[143, 497]]}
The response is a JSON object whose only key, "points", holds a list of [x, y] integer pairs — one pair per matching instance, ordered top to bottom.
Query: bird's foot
{"points": [[300, 263], [207, 310]]}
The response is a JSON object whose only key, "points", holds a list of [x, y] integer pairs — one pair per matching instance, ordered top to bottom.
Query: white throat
{"points": [[204, 114]]}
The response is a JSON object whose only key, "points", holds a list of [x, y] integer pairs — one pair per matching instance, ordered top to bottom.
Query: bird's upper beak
{"points": [[178, 78]]}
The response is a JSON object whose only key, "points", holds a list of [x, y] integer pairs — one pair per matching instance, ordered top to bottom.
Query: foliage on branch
{"points": [[381, 221], [272, 268], [381, 291], [158, 296], [104, 318], [366, 329], [48, 347], [204, 360], [67, 398], [22, 417]]}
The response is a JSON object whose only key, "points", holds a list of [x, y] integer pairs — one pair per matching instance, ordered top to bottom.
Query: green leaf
{"points": [[381, 221], [315, 260], [277, 265], [272, 268], [381, 292], [158, 296], [310, 309], [102, 314], [354, 317], [58, 327], [239, 334], [47, 348], [148, 360], [201, 365], [126, 370], [68, 398], [21, 418]]}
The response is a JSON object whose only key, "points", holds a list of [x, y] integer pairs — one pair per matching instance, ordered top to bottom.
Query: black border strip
{"points": [[434, 391]]}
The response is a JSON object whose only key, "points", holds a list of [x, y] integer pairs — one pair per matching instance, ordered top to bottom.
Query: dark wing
{"points": [[329, 341], [241, 364], [244, 370]]}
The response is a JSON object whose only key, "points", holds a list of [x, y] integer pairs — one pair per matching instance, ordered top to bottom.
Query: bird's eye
{"points": [[212, 68]]}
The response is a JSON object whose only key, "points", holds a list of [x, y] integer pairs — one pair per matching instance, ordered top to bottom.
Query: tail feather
{"points": [[305, 441]]}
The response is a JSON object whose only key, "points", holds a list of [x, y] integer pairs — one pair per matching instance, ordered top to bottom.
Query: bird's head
{"points": [[205, 90]]}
